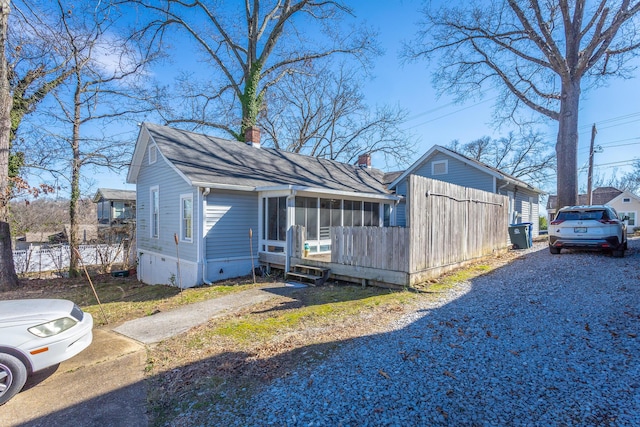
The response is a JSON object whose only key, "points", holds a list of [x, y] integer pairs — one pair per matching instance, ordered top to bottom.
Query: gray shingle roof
{"points": [[206, 160], [115, 194], [600, 196]]}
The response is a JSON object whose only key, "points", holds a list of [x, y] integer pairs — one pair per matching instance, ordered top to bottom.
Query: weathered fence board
{"points": [[452, 224], [375, 247]]}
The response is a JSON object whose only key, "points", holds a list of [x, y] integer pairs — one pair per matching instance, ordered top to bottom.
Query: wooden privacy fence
{"points": [[451, 224], [447, 225], [385, 248]]}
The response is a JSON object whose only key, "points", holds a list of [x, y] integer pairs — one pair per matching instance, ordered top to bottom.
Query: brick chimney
{"points": [[252, 136], [364, 160]]}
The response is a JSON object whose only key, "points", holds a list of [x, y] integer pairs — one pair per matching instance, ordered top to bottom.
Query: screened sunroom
{"points": [[318, 212]]}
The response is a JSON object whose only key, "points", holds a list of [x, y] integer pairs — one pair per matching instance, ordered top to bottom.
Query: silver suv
{"points": [[588, 227]]}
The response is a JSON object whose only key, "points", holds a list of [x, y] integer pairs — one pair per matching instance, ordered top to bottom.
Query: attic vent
{"points": [[153, 154], [440, 167], [626, 200]]}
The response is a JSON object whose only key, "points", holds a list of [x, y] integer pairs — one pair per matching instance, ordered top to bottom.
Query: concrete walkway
{"points": [[166, 324], [104, 385]]}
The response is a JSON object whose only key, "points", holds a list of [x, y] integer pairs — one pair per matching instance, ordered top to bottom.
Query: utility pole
{"points": [[590, 176]]}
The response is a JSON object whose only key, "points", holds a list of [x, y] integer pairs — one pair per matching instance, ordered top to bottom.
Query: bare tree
{"points": [[249, 47], [539, 52], [38, 62], [35, 67], [103, 90], [323, 113], [527, 156], [629, 181], [46, 215]]}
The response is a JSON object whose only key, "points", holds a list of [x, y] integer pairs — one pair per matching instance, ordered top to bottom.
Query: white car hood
{"points": [[13, 312]]}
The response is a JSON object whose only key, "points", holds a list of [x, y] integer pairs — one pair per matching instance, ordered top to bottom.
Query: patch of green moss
{"points": [[319, 307]]}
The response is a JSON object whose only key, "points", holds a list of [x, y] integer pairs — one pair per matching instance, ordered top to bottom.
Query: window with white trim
{"points": [[153, 154], [440, 167], [626, 200], [155, 212], [186, 217], [631, 222]]}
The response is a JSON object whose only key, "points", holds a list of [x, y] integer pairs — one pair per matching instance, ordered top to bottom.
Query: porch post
{"points": [[291, 216], [260, 222]]}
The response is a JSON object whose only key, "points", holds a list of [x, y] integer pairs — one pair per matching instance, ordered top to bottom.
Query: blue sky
{"points": [[614, 109]]}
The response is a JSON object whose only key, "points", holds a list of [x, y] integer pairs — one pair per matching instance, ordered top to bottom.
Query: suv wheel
{"points": [[554, 250], [13, 375]]}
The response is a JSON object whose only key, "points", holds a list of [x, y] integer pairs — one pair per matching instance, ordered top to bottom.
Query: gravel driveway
{"points": [[548, 340]]}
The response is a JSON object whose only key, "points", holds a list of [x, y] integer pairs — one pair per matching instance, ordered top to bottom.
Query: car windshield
{"points": [[582, 215]]}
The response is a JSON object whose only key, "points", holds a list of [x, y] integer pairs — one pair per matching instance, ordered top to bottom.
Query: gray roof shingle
{"points": [[206, 160], [115, 194], [600, 196]]}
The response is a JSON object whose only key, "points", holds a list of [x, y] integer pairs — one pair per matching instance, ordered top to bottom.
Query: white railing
{"points": [[38, 259]]}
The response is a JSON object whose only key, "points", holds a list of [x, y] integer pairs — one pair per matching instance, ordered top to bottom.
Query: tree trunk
{"points": [[567, 144], [75, 186], [73, 219], [8, 277]]}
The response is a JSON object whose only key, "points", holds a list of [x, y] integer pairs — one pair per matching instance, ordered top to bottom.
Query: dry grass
{"points": [[122, 298], [231, 357]]}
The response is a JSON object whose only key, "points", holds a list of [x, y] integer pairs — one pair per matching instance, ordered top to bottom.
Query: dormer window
{"points": [[153, 154], [440, 167]]}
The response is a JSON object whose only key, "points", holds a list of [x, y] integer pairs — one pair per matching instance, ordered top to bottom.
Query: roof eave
{"points": [[447, 152], [138, 154], [522, 184], [219, 186], [317, 190]]}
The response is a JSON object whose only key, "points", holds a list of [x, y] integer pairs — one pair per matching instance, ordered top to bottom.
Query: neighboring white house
{"points": [[200, 198], [625, 203], [628, 205]]}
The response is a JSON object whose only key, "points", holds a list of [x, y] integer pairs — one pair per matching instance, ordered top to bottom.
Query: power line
{"points": [[433, 110], [450, 114], [585, 128], [605, 145]]}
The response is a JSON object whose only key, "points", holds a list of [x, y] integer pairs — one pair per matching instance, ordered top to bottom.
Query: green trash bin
{"points": [[519, 235]]}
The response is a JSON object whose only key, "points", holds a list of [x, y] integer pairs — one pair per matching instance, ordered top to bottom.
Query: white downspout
{"points": [[205, 193]]}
